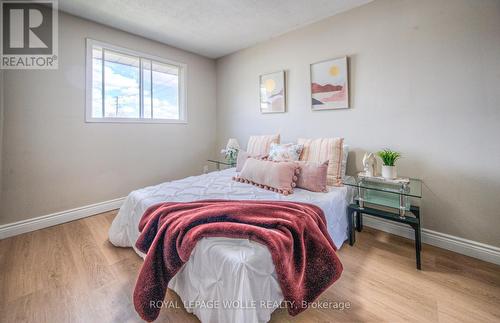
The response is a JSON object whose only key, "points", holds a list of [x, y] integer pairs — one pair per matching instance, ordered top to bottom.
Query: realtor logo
{"points": [[29, 34]]}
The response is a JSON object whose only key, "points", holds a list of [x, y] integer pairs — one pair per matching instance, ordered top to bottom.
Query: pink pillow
{"points": [[260, 145], [321, 149], [242, 158], [313, 176], [278, 177]]}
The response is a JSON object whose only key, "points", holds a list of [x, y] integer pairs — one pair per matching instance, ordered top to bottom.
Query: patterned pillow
{"points": [[260, 145], [319, 150], [286, 152], [279, 177]]}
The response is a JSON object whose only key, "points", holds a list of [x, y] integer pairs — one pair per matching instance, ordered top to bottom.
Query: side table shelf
{"points": [[218, 163], [386, 199], [356, 223]]}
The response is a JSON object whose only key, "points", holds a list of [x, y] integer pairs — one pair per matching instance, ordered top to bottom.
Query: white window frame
{"points": [[90, 43]]}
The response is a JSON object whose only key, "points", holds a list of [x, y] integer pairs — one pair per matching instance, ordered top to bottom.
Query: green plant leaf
{"points": [[389, 157]]}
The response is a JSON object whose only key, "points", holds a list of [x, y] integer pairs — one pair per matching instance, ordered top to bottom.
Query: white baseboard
{"points": [[45, 221], [445, 241], [459, 245]]}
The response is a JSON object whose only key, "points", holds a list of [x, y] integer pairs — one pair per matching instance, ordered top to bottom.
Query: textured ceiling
{"points": [[211, 28]]}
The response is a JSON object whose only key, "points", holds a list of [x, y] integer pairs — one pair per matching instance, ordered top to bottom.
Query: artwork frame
{"points": [[329, 84], [272, 92]]}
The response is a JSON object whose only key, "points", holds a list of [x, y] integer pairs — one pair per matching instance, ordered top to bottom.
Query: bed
{"points": [[252, 292]]}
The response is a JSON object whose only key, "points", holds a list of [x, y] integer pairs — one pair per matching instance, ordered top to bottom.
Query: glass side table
{"points": [[218, 163], [389, 200]]}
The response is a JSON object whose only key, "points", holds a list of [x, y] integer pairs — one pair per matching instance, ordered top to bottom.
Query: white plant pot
{"points": [[389, 172]]}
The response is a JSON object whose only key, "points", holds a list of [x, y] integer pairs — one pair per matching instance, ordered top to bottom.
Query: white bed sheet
{"points": [[226, 270]]}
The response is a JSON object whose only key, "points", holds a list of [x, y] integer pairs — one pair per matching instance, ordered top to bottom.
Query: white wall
{"points": [[425, 81], [54, 161]]}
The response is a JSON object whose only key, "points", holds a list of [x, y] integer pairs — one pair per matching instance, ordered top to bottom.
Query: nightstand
{"points": [[224, 163], [387, 201]]}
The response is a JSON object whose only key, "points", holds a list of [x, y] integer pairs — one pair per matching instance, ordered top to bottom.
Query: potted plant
{"points": [[231, 151], [230, 154], [389, 158]]}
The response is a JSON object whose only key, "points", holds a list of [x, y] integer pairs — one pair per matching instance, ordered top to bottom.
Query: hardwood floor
{"points": [[71, 273]]}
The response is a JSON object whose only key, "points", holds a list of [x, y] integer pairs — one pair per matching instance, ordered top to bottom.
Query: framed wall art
{"points": [[330, 84], [272, 92]]}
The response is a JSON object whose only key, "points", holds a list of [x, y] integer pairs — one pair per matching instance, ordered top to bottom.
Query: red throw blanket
{"points": [[295, 234]]}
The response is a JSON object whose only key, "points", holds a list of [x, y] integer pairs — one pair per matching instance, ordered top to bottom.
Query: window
{"points": [[127, 86]]}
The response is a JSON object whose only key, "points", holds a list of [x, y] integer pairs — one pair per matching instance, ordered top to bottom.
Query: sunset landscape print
{"points": [[330, 85], [272, 92]]}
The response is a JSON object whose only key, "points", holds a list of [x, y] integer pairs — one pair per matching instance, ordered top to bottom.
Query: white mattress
{"points": [[221, 269]]}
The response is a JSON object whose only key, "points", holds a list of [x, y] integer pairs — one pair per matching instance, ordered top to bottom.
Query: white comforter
{"points": [[226, 280]]}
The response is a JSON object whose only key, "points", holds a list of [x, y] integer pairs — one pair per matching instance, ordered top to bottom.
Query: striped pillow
{"points": [[260, 145], [321, 150]]}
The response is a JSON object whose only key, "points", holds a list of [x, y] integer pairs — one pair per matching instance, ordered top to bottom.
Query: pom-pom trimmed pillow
{"points": [[260, 145], [319, 150], [285, 152], [242, 158], [313, 176], [279, 177]]}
